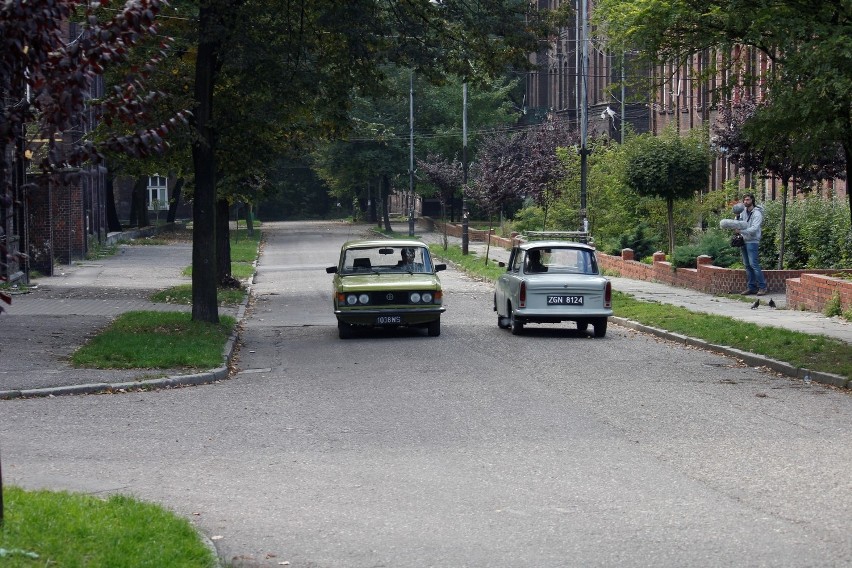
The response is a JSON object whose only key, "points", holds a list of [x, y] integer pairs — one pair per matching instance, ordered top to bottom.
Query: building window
{"points": [[158, 192]]}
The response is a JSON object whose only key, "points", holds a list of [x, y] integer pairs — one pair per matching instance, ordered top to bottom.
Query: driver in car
{"points": [[407, 261]]}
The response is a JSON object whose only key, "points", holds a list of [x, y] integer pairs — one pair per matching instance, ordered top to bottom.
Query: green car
{"points": [[386, 283]]}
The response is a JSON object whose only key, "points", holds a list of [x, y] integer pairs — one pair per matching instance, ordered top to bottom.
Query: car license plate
{"points": [[565, 300], [388, 320]]}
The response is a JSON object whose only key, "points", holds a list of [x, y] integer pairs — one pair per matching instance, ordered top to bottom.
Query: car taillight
{"points": [[522, 295], [608, 295]]}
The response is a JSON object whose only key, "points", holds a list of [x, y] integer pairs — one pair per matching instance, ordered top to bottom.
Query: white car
{"points": [[552, 282]]}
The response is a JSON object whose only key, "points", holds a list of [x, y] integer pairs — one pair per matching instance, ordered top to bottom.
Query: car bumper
{"points": [[551, 316], [384, 317]]}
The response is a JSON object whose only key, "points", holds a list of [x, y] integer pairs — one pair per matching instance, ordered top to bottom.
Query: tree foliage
{"points": [[48, 82], [669, 167]]}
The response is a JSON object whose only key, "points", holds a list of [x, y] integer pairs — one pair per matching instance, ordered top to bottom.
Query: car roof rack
{"points": [[577, 236]]}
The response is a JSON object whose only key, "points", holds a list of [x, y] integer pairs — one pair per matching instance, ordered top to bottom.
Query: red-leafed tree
{"points": [[46, 83], [447, 177]]}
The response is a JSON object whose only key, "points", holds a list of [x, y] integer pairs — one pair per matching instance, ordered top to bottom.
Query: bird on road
{"points": [[771, 303], [755, 305]]}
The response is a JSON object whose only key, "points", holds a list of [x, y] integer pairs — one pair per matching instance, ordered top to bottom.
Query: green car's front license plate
{"points": [[565, 300], [388, 320]]}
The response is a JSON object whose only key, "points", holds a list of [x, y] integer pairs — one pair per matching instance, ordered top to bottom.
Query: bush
{"points": [[714, 243]]}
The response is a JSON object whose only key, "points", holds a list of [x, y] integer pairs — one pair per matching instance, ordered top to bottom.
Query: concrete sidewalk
{"points": [[44, 326], [41, 329]]}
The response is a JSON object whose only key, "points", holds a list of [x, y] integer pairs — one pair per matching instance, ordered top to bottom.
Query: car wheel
{"points": [[503, 322], [516, 325], [582, 325], [600, 327], [434, 328], [344, 330]]}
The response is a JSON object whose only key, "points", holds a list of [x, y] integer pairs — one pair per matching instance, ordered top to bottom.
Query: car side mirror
{"points": [[440, 267], [331, 270]]}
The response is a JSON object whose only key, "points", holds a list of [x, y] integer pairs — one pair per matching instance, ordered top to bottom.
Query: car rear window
{"points": [[565, 260]]}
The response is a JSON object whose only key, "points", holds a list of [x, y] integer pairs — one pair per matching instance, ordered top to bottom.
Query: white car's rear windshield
{"points": [[559, 260]]}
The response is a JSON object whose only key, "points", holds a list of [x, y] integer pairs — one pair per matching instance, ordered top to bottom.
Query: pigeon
{"points": [[771, 303], [755, 305]]}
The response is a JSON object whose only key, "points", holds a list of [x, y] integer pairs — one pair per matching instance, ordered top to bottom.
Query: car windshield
{"points": [[394, 259], [560, 260]]}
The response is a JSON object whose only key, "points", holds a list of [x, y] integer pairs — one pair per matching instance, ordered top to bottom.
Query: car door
{"points": [[508, 283]]}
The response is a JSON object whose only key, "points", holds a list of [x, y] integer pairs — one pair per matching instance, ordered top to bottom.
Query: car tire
{"points": [[503, 322], [516, 325], [582, 325], [600, 327], [434, 328], [344, 330]]}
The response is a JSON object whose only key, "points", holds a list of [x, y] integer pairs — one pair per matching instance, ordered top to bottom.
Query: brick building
{"points": [[679, 98]]}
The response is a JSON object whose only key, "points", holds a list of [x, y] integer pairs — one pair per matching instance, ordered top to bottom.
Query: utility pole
{"points": [[584, 112], [411, 157], [465, 234]]}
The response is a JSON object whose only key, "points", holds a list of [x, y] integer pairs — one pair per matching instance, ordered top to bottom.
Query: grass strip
{"points": [[472, 262], [182, 295], [156, 340], [815, 352], [45, 528]]}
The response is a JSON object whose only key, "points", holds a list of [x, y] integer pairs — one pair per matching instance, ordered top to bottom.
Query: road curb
{"points": [[752, 359]]}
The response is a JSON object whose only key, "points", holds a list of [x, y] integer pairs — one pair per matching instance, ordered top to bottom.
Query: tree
{"points": [[808, 43], [327, 51], [739, 136], [541, 167], [669, 167], [499, 170], [447, 177]]}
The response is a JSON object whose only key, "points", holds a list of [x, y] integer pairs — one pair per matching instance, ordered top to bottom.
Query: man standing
{"points": [[752, 217]]}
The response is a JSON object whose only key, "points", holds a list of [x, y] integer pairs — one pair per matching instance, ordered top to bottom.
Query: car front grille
{"points": [[389, 298]]}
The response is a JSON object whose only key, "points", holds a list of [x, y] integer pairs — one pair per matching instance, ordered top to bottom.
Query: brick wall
{"points": [[56, 225], [805, 289], [812, 292]]}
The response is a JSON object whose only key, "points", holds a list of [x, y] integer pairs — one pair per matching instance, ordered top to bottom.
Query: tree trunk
{"points": [[784, 183], [385, 199], [175, 200], [139, 203], [670, 215], [249, 219], [113, 223], [488, 237], [223, 243], [204, 305]]}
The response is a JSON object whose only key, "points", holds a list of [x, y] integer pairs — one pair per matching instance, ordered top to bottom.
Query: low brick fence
{"points": [[805, 289], [808, 289]]}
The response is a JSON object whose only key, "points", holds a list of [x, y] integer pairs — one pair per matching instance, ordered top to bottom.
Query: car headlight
{"points": [[426, 297], [364, 298], [414, 298], [351, 299]]}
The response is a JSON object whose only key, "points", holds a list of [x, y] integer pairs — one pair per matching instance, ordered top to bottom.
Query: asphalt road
{"points": [[476, 448]]}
